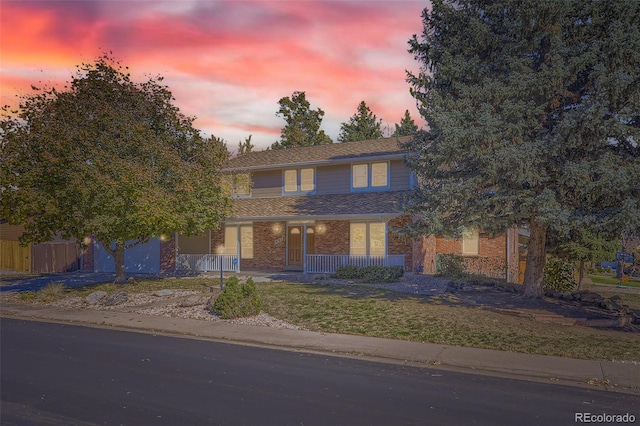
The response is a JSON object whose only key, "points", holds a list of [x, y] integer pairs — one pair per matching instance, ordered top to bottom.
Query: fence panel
{"points": [[14, 257], [55, 257]]}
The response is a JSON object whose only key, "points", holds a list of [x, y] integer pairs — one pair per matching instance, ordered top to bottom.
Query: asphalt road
{"points": [[55, 374]]}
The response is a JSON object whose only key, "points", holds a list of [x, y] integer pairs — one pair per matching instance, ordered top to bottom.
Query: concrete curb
{"points": [[609, 375]]}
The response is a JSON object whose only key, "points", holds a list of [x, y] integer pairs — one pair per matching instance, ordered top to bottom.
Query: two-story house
{"points": [[315, 208]]}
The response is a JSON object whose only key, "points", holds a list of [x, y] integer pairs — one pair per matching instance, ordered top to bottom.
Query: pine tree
{"points": [[533, 115], [303, 123], [363, 125], [407, 126], [246, 146]]}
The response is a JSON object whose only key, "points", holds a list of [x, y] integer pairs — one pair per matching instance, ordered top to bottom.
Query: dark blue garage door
{"points": [[144, 258]]}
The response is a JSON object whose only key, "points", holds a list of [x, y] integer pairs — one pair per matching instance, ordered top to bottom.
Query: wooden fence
{"points": [[14, 257]]}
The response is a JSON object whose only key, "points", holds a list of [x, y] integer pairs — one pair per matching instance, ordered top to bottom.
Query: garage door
{"points": [[142, 259]]}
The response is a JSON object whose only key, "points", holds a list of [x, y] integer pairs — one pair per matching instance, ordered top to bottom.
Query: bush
{"points": [[450, 265], [348, 272], [370, 274], [382, 274], [558, 275], [237, 300]]}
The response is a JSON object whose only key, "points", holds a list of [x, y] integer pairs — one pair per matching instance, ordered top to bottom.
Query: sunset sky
{"points": [[226, 62]]}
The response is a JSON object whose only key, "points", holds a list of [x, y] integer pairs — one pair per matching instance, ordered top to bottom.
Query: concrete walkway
{"points": [[615, 376]]}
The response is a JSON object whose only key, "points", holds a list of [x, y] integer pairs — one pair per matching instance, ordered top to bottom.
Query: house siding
{"points": [[399, 174], [333, 179], [266, 184]]}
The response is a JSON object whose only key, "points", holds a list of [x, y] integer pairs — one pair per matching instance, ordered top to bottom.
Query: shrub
{"points": [[450, 265], [348, 272], [370, 274], [382, 274], [558, 275], [51, 292], [237, 300]]}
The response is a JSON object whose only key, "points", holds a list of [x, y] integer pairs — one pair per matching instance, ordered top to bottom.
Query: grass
{"points": [[610, 279], [377, 312]]}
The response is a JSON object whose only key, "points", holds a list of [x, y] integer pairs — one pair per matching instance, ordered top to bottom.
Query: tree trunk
{"points": [[118, 256], [536, 258], [581, 275]]}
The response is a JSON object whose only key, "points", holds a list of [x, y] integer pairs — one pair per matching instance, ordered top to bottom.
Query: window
{"points": [[374, 175], [360, 176], [290, 181], [298, 181], [242, 185], [368, 239], [246, 241], [470, 242]]}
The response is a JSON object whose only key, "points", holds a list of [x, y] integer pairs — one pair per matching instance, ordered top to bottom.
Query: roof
{"points": [[316, 154], [332, 205]]}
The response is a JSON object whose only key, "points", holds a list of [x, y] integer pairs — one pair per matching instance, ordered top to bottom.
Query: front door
{"points": [[295, 245]]}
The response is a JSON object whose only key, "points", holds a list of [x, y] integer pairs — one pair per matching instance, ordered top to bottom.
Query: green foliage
{"points": [[532, 121], [303, 123], [363, 125], [407, 126], [246, 146], [122, 163], [586, 246], [450, 265], [370, 274], [558, 275], [237, 300]]}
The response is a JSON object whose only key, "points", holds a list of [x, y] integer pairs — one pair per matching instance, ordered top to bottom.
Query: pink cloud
{"points": [[226, 58]]}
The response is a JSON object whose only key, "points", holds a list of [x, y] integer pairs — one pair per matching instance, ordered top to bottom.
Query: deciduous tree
{"points": [[533, 112], [110, 158]]}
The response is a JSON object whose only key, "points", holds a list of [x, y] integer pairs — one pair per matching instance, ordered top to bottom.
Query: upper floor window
{"points": [[370, 175], [298, 181], [242, 185]]}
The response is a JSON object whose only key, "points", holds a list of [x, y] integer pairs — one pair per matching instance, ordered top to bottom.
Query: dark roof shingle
{"points": [[318, 153], [356, 203]]}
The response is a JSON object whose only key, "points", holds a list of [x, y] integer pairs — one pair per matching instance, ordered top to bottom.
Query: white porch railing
{"points": [[207, 262], [328, 263]]}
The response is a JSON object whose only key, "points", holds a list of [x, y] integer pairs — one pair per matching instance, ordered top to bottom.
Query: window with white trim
{"points": [[370, 175], [298, 181], [367, 238], [470, 242]]}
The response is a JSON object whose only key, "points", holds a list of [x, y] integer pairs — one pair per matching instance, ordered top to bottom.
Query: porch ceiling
{"points": [[360, 203]]}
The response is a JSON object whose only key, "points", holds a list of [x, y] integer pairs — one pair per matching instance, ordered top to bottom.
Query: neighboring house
{"points": [[312, 209], [55, 256]]}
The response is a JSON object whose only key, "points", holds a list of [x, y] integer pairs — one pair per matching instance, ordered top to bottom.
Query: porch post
{"points": [[304, 249]]}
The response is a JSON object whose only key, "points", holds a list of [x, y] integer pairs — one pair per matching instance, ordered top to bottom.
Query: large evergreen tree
{"points": [[533, 115], [303, 123], [363, 125], [407, 126], [246, 146], [108, 158]]}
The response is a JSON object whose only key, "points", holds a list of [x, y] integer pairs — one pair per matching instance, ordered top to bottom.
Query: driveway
{"points": [[10, 282]]}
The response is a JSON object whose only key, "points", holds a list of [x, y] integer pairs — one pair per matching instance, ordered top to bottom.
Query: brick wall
{"points": [[332, 237], [398, 244], [269, 247], [88, 254], [168, 255]]}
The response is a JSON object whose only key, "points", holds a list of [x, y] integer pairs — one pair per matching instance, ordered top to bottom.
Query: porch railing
{"points": [[207, 262], [328, 263]]}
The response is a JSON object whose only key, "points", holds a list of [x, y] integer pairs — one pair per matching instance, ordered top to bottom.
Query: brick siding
{"points": [[332, 237]]}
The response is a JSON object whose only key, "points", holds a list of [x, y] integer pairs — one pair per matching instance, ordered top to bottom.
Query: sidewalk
{"points": [[610, 375]]}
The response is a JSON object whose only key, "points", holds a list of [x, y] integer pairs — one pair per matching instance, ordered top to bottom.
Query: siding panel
{"points": [[399, 176], [333, 179], [267, 184]]}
